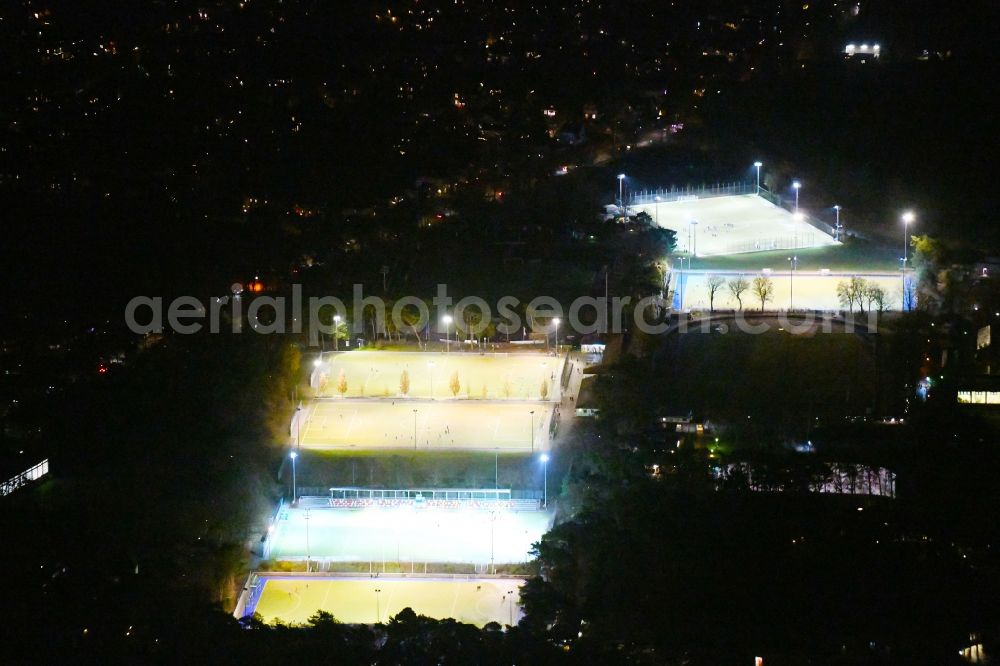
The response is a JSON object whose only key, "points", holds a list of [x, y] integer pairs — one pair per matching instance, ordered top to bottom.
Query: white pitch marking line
{"points": [[311, 412], [350, 424]]}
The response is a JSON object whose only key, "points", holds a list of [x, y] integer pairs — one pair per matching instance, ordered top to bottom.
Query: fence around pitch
{"points": [[664, 195], [789, 205], [792, 242], [439, 493]]}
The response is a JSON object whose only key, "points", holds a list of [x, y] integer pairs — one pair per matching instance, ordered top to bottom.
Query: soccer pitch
{"points": [[733, 225], [377, 374], [437, 425], [408, 534], [364, 600]]}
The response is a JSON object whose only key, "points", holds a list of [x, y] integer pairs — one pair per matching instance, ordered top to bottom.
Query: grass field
{"points": [[853, 256], [377, 374], [437, 425], [407, 534], [294, 599]]}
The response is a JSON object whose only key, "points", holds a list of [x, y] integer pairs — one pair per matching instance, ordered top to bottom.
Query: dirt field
{"points": [[378, 374], [436, 425], [293, 599]]}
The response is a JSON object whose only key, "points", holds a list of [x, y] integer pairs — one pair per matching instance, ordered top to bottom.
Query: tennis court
{"points": [[364, 600]]}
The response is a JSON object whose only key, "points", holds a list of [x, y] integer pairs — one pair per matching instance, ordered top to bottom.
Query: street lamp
{"points": [[757, 165], [796, 185], [621, 195], [837, 209], [656, 210], [908, 218], [692, 239], [792, 262], [557, 321], [447, 335], [298, 427], [532, 431], [293, 455], [545, 486], [493, 523], [308, 564], [378, 609]]}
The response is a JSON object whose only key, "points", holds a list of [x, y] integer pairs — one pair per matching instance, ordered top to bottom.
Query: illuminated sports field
{"points": [[734, 225], [812, 290], [377, 374], [440, 425], [407, 534], [294, 599]]}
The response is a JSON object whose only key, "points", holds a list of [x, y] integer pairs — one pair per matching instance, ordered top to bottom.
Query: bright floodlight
{"points": [[758, 164], [621, 176], [797, 184], [836, 207], [799, 217], [909, 217], [336, 318], [447, 319], [557, 321], [317, 363], [293, 455], [544, 457]]}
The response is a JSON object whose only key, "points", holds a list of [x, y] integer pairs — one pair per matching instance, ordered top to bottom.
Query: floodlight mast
{"points": [[621, 196], [908, 218], [793, 261], [447, 322], [532, 412], [545, 480]]}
